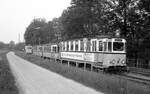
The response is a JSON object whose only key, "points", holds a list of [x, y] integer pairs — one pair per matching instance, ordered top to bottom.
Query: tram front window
{"points": [[118, 46]]}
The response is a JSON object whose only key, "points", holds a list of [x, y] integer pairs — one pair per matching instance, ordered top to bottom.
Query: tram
{"points": [[28, 49], [107, 53]]}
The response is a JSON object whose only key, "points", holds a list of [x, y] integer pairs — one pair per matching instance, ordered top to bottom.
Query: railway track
{"points": [[145, 72], [141, 73], [137, 78], [140, 78]]}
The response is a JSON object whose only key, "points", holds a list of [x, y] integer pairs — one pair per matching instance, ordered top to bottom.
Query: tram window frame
{"points": [[100, 42], [76, 45], [81, 45], [88, 45], [94, 45], [62, 46], [67, 46], [71, 46], [104, 46], [110, 46], [125, 46], [40, 48], [45, 48], [49, 48], [58, 48], [52, 49], [55, 49], [118, 50]]}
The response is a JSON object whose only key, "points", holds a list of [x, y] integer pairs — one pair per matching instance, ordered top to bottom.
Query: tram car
{"points": [[28, 49], [38, 50], [51, 51], [102, 52], [107, 53]]}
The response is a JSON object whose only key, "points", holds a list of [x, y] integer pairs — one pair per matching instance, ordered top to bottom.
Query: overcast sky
{"points": [[16, 15]]}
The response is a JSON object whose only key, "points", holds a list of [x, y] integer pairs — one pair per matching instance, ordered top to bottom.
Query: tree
{"points": [[85, 18], [33, 32], [11, 44], [2, 45], [20, 46]]}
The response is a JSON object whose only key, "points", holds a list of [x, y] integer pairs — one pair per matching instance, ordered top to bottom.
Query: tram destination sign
{"points": [[78, 56]]}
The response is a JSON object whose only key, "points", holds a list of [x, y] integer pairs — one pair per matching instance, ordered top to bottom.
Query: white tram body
{"points": [[28, 49], [38, 50], [51, 51], [101, 52]]}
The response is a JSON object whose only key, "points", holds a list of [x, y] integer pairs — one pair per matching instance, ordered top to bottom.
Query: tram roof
{"points": [[96, 37]]}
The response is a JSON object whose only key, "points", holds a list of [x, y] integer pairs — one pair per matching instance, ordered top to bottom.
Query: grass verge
{"points": [[7, 81], [101, 82]]}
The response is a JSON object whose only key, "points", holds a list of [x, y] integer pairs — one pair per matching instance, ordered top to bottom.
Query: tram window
{"points": [[71, 45], [76, 45], [81, 45], [62, 46], [67, 46], [88, 46], [93, 46], [100, 46], [105, 46], [109, 46], [118, 46], [40, 48], [58, 48], [45, 49], [49, 49], [54, 49]]}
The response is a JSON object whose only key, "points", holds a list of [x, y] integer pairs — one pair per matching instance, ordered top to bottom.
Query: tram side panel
{"points": [[28, 49], [46, 54], [83, 57], [101, 60], [114, 60]]}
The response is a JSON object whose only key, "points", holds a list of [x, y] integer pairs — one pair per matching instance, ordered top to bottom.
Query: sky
{"points": [[16, 15]]}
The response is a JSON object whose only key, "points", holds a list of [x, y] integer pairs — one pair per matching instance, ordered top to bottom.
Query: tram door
{"points": [[93, 46], [97, 49]]}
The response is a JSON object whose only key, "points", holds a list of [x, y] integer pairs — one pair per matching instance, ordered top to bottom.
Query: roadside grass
{"points": [[7, 81], [103, 82]]}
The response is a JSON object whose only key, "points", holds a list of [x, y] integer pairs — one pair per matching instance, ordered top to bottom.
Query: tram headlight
{"points": [[113, 61], [123, 61]]}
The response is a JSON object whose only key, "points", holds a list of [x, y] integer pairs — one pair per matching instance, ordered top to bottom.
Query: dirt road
{"points": [[32, 79]]}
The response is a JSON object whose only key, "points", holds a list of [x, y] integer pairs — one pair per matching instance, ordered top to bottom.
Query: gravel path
{"points": [[32, 79]]}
